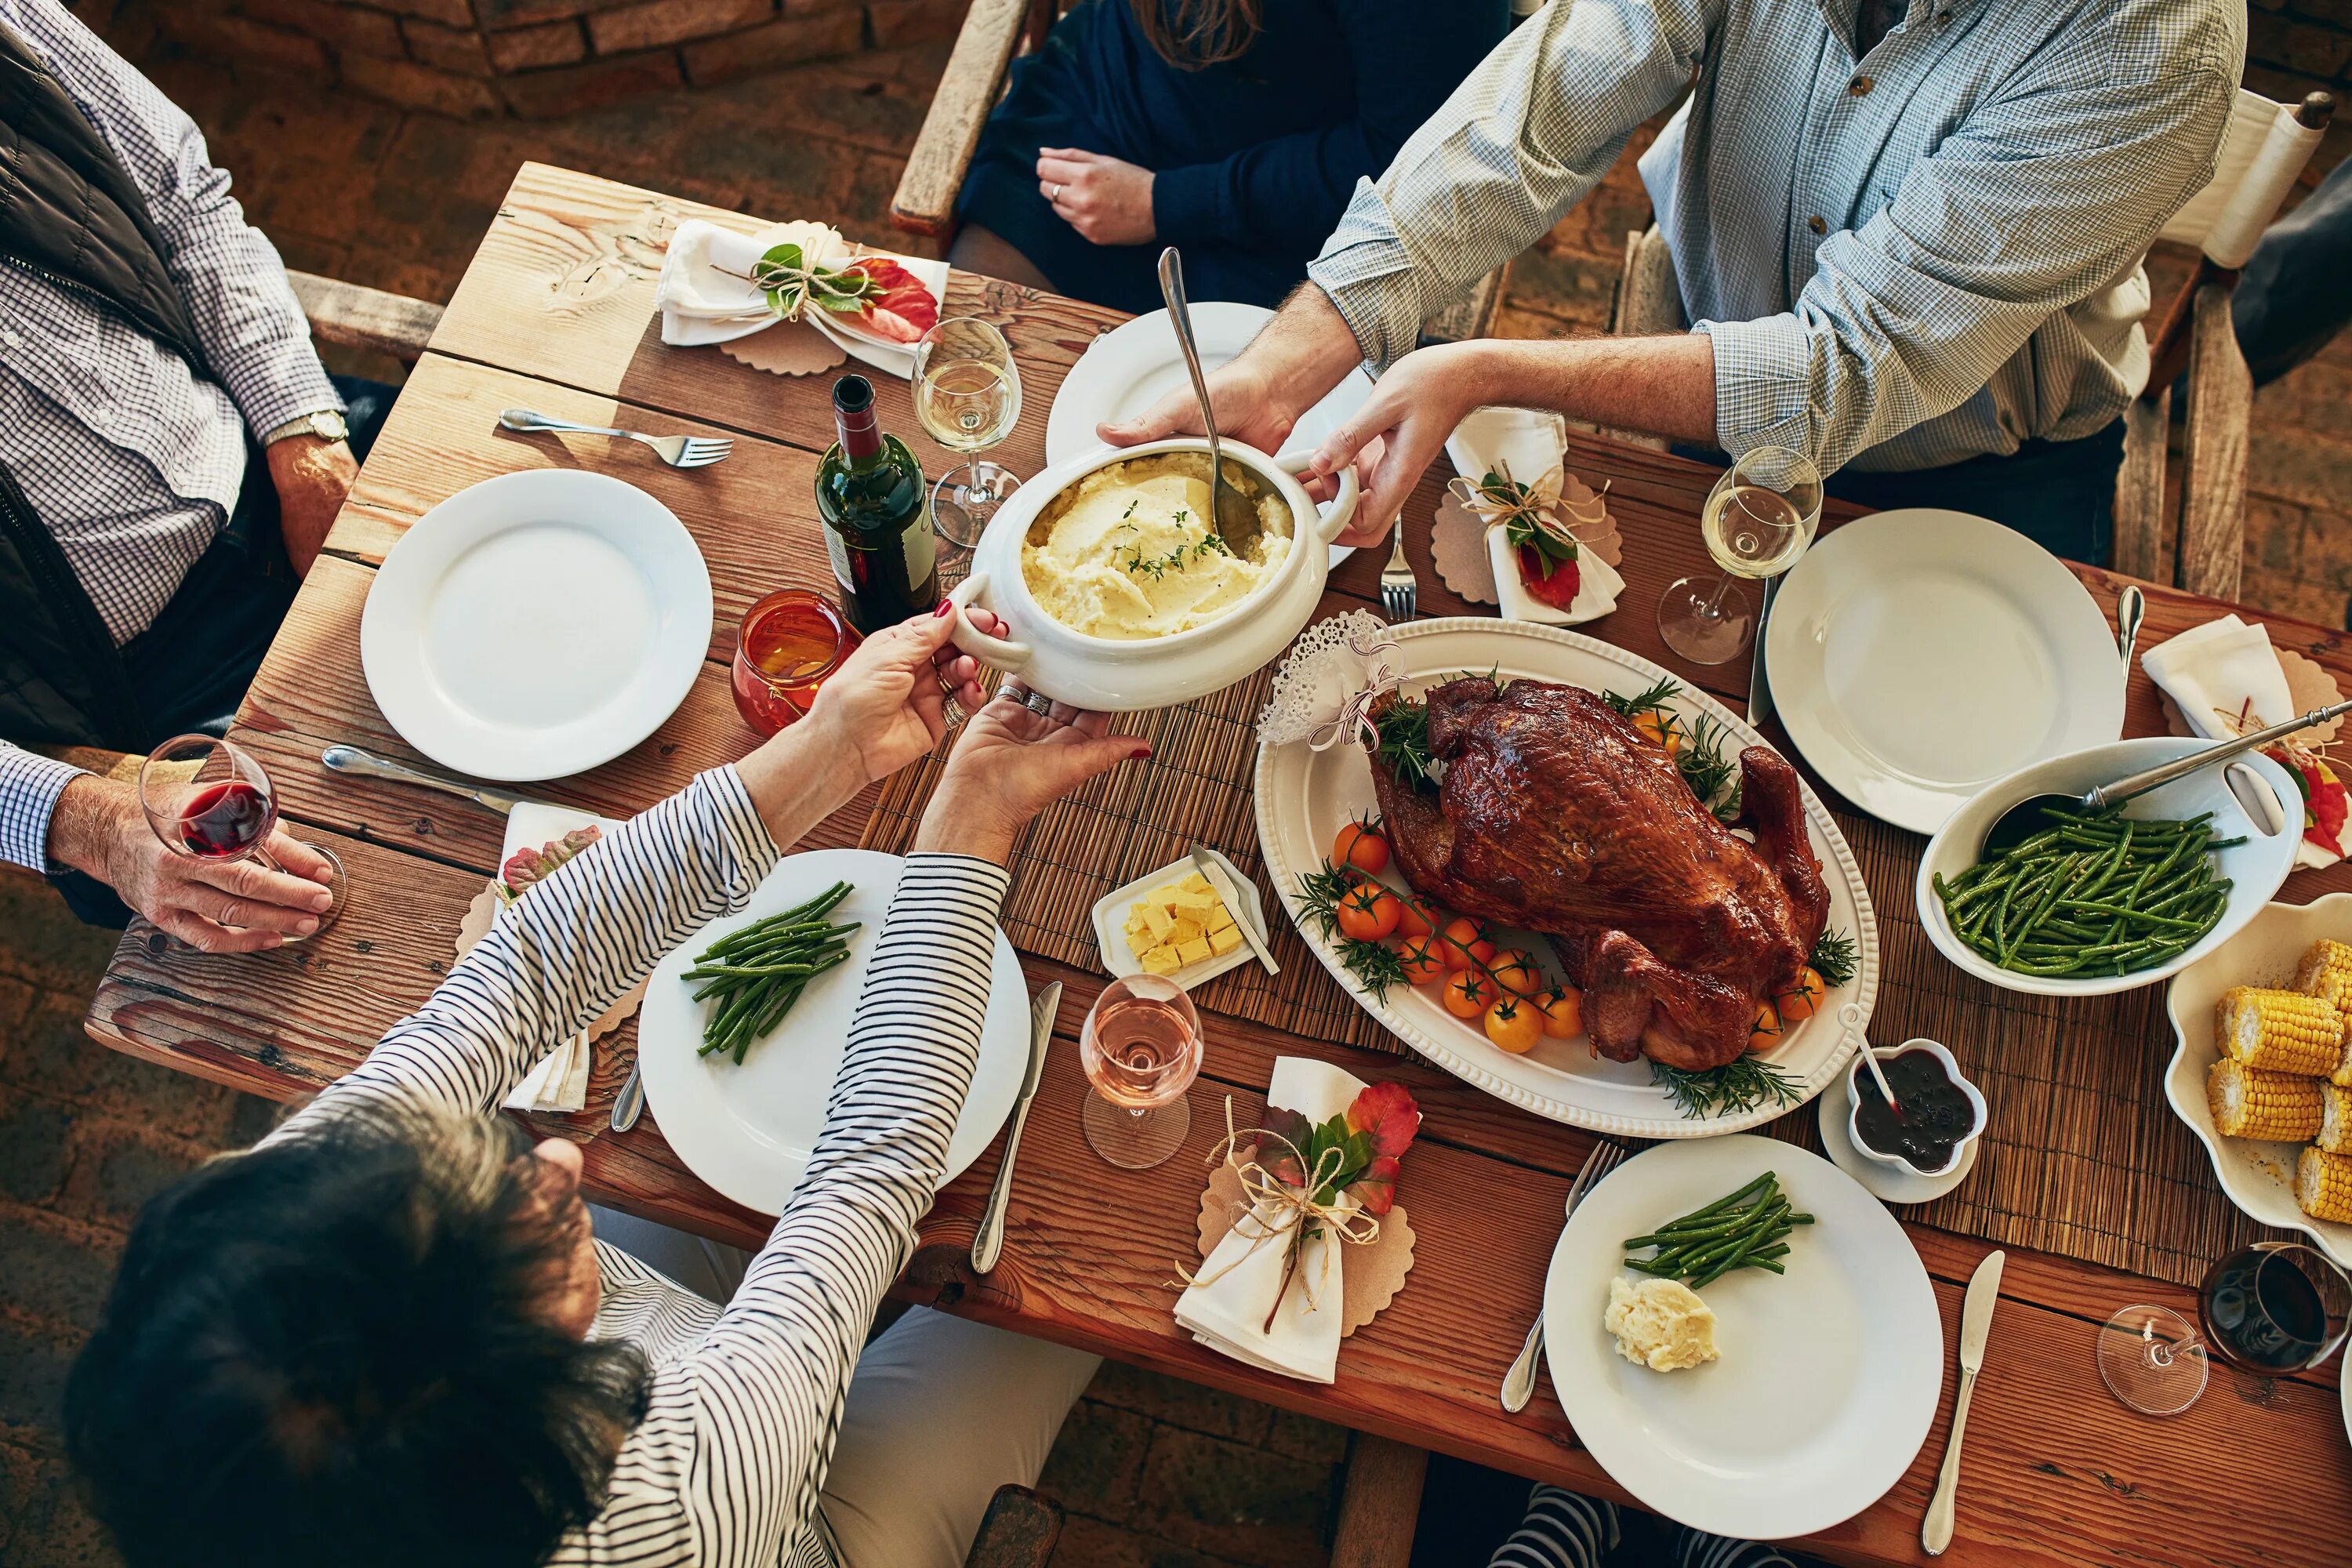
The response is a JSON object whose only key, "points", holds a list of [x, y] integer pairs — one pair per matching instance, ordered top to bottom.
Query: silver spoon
{"points": [[1172, 289], [2131, 608], [2026, 818]]}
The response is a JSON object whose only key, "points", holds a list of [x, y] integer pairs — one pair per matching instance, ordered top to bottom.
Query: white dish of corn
{"points": [[1173, 923], [2262, 1070]]}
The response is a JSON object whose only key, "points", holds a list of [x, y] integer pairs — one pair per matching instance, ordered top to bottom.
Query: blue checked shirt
{"points": [[1920, 257], [131, 461]]}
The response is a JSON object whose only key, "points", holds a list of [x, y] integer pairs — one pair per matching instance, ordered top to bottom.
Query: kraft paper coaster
{"points": [[788, 348], [1457, 538], [2309, 686], [1370, 1275]]}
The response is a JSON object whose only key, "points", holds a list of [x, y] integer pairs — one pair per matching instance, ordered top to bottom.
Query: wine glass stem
{"points": [[1712, 609], [2160, 1354]]}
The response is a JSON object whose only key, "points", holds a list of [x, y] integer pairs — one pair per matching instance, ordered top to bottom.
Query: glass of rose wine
{"points": [[968, 395], [1757, 520], [208, 799], [1141, 1050]]}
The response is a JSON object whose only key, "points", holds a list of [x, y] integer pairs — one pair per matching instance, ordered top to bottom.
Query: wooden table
{"points": [[555, 313]]}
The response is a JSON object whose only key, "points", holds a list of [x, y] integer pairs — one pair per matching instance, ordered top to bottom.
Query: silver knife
{"points": [[1759, 686], [352, 763], [1245, 919], [988, 1241], [1976, 1324]]}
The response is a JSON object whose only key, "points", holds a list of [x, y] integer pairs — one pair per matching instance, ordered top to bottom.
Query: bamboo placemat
{"points": [[2082, 1158]]}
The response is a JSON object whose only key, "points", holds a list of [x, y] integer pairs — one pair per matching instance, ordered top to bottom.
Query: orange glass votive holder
{"points": [[790, 643]]}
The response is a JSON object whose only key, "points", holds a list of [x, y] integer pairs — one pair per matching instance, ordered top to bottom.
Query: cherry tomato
{"points": [[1661, 728], [1360, 844], [1368, 912], [1419, 917], [1466, 946], [1422, 959], [1518, 973], [1468, 993], [1804, 1000], [1563, 1012], [1515, 1025], [1764, 1033]]}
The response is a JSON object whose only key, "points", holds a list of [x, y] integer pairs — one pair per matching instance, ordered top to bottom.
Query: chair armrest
{"points": [[925, 200], [1649, 300], [1470, 314], [363, 318], [2214, 462], [2140, 540], [1379, 1504], [1017, 1531]]}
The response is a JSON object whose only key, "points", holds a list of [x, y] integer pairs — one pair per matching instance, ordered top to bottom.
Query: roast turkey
{"points": [[1557, 816]]}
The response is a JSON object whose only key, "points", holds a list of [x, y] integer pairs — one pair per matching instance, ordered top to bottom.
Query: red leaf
{"points": [[901, 309], [1558, 589], [2327, 806], [1386, 1112], [1285, 1164], [1375, 1189]]}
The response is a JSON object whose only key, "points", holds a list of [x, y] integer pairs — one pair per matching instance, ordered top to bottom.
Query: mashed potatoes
{"points": [[1129, 553], [1660, 1323]]}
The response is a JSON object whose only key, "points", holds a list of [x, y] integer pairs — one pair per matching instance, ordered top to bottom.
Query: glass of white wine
{"points": [[968, 395], [1757, 520]]}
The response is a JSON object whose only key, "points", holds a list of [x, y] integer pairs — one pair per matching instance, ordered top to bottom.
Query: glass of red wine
{"points": [[208, 799], [2272, 1308]]}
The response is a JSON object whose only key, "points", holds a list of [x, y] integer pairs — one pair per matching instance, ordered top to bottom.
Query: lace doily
{"points": [[1326, 684]]}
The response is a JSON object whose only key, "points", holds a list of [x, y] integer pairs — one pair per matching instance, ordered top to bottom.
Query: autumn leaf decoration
{"points": [[877, 293], [1540, 522], [525, 867], [1347, 1163]]}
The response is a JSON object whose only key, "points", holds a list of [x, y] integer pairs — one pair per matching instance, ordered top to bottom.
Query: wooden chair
{"points": [[993, 32], [2262, 152], [1018, 1531]]}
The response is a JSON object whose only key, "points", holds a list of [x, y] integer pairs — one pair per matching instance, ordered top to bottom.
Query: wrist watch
{"points": [[326, 424]]}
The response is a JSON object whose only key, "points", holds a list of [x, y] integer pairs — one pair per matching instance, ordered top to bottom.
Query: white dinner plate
{"points": [[1136, 362], [536, 624], [1919, 655], [1305, 797], [749, 1131], [2257, 1176], [1828, 1375]]}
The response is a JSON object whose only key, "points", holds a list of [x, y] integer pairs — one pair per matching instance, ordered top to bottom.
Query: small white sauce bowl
{"points": [[1858, 1071]]}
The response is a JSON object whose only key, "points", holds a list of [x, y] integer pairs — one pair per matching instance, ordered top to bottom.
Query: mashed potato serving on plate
{"points": [[1129, 552], [1660, 1323]]}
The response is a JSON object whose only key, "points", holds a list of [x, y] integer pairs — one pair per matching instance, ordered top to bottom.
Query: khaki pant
{"points": [[942, 1412]]}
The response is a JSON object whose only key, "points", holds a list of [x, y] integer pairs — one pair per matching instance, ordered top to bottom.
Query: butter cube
{"points": [[1195, 883], [1193, 899], [1219, 919], [1158, 921], [1184, 931], [1223, 940], [1140, 943], [1193, 951], [1162, 960]]}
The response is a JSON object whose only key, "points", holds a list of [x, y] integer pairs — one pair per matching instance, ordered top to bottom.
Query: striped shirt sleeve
{"points": [[31, 785], [565, 952], [741, 1430]]}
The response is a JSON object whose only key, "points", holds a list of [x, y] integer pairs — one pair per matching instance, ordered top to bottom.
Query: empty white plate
{"points": [[1136, 363], [536, 624], [1919, 655]]}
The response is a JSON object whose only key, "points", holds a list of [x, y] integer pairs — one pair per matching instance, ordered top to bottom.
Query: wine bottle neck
{"points": [[861, 437]]}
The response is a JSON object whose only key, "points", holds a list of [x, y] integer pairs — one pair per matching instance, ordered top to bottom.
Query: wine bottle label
{"points": [[922, 546], [837, 548]]}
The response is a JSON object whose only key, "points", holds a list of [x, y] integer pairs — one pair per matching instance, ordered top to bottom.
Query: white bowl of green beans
{"points": [[2107, 902]]}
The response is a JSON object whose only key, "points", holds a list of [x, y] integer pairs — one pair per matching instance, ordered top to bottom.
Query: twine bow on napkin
{"points": [[1542, 513]]}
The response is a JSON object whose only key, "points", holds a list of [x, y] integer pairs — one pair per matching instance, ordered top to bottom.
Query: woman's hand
{"points": [[1107, 201], [886, 705], [1010, 763]]}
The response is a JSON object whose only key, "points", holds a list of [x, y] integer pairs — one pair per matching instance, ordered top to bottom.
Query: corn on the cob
{"points": [[2326, 972], [2279, 1031], [2267, 1105], [2334, 1120], [2322, 1185]]}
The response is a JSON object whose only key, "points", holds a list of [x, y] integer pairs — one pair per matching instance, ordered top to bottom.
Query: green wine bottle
{"points": [[877, 516]]}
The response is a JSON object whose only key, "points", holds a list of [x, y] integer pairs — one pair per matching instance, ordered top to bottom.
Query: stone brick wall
{"points": [[533, 59]]}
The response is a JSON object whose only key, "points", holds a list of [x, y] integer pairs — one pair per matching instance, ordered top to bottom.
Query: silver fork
{"points": [[677, 451], [1400, 594], [1520, 1383]]}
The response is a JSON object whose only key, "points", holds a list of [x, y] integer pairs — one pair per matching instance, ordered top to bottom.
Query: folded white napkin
{"points": [[706, 294], [1530, 440], [1597, 587], [2219, 672], [1229, 1314]]}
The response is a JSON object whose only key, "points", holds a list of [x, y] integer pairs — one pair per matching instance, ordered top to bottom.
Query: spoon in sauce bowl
{"points": [[1851, 1016]]}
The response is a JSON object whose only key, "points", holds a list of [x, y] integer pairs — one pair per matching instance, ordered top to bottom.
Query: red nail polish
{"points": [[945, 605], [1141, 754]]}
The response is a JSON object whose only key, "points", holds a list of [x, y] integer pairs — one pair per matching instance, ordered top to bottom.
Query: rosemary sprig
{"points": [[1653, 700], [1403, 750], [1706, 769], [1835, 957], [1375, 965], [1728, 1091]]}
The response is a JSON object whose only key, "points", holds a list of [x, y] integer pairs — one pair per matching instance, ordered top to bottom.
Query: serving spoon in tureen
{"points": [[1231, 515]]}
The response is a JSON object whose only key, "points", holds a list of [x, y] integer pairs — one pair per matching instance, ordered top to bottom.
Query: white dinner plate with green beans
{"points": [[2100, 915], [747, 1128]]}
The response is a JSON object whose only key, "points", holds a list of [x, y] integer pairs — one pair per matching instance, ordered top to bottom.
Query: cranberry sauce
{"points": [[1937, 1112]]}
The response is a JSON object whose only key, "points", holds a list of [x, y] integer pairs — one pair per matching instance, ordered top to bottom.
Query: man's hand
{"points": [[1107, 201], [1402, 427], [312, 476], [233, 906]]}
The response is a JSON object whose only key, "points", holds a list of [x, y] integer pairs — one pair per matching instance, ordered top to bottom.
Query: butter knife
{"points": [[1759, 685], [354, 762], [1245, 918], [988, 1241], [1975, 1324]]}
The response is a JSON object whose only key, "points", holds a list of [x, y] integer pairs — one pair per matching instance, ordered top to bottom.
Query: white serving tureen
{"points": [[1117, 676]]}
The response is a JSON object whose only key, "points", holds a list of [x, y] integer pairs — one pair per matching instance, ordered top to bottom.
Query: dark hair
{"points": [[1193, 33], [332, 1350]]}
